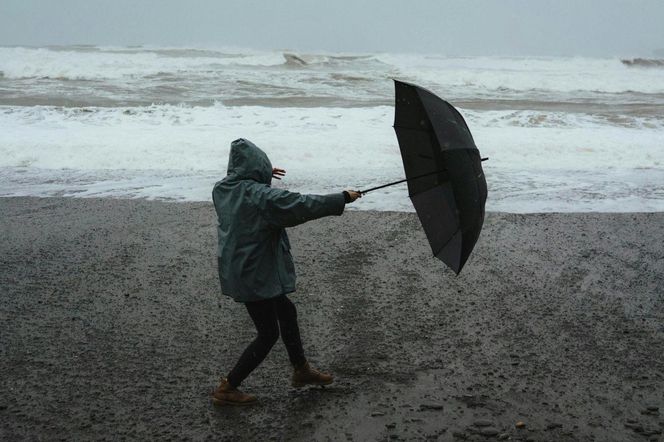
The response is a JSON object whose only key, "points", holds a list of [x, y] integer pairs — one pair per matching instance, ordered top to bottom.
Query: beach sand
{"points": [[112, 326]]}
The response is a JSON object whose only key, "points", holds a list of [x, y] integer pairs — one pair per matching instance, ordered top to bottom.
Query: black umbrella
{"points": [[444, 172]]}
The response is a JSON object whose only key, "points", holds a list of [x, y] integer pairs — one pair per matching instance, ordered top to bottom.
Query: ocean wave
{"points": [[294, 60], [360, 62], [644, 62], [27, 63], [94, 63], [550, 75], [461, 76], [197, 138]]}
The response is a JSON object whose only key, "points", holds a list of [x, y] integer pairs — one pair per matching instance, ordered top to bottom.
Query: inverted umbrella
{"points": [[443, 169]]}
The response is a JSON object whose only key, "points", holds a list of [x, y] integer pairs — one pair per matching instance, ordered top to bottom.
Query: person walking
{"points": [[255, 263]]}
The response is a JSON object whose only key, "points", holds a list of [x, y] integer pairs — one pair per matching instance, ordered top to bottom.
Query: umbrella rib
{"points": [[446, 243]]}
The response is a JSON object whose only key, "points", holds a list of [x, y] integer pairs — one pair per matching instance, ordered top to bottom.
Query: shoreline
{"points": [[349, 207], [112, 326]]}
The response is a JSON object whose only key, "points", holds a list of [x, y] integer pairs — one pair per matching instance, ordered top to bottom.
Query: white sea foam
{"points": [[197, 138], [538, 161], [509, 190]]}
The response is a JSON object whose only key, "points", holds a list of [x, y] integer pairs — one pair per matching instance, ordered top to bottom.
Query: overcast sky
{"points": [[461, 27]]}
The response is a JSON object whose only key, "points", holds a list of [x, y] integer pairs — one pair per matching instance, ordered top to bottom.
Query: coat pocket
{"points": [[283, 239], [289, 265]]}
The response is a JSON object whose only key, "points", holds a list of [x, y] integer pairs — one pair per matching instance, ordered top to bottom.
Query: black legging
{"points": [[269, 316]]}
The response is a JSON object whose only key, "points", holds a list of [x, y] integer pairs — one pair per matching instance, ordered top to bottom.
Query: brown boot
{"points": [[305, 375], [226, 394]]}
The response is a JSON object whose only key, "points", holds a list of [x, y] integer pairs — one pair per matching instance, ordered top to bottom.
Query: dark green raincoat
{"points": [[255, 262]]}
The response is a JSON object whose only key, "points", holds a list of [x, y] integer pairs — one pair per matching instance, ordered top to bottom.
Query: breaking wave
{"points": [[644, 62], [474, 74]]}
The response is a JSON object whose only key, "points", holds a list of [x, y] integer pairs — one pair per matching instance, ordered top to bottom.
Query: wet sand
{"points": [[112, 327]]}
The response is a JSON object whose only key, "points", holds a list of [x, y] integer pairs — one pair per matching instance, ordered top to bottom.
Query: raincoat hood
{"points": [[248, 162]]}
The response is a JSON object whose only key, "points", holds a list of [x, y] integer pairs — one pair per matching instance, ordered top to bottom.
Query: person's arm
{"points": [[281, 208]]}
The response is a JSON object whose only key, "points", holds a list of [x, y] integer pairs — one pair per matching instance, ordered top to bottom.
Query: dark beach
{"points": [[112, 327]]}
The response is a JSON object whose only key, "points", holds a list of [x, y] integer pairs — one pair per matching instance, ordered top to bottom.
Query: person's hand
{"points": [[278, 173], [353, 195]]}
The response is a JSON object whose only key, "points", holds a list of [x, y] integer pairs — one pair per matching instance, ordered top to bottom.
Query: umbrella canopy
{"points": [[443, 168]]}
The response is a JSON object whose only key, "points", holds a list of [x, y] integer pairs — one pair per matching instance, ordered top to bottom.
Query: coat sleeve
{"points": [[281, 208]]}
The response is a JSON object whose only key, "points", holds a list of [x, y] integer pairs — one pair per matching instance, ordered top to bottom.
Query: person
{"points": [[255, 263]]}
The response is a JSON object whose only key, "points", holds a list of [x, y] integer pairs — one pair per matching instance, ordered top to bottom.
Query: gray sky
{"points": [[460, 27]]}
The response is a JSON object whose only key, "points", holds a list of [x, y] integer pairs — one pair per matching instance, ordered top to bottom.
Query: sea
{"points": [[562, 134]]}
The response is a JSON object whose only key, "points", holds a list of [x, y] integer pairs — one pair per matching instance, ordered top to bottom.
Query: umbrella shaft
{"points": [[407, 179], [400, 181]]}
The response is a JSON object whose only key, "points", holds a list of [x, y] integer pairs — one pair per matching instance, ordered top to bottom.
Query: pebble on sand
{"points": [[431, 406], [651, 410], [520, 424], [635, 426], [489, 431]]}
